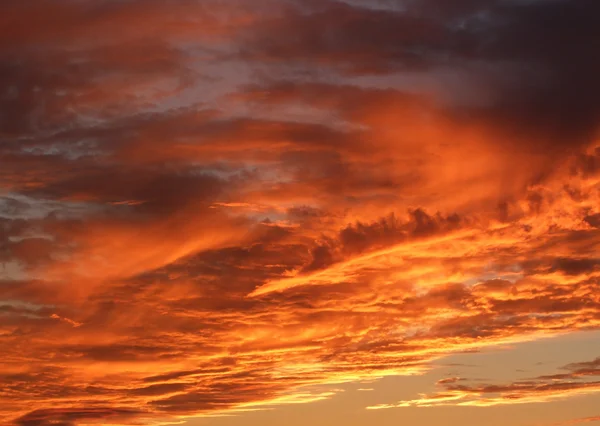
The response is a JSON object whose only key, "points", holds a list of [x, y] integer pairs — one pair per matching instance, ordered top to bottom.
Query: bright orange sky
{"points": [[291, 212]]}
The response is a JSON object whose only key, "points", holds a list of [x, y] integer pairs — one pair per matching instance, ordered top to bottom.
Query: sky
{"points": [[292, 212]]}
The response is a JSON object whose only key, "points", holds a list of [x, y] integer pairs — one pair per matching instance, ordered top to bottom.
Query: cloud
{"points": [[528, 41], [208, 208], [536, 390], [66, 417], [580, 421]]}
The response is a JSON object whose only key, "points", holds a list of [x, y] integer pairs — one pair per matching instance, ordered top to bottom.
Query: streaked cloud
{"points": [[580, 379]]}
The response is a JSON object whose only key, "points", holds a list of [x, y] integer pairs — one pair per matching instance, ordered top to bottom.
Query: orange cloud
{"points": [[214, 208], [536, 390], [580, 421]]}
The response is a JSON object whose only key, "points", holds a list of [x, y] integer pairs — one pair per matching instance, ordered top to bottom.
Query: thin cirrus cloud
{"points": [[213, 208], [538, 389], [582, 420]]}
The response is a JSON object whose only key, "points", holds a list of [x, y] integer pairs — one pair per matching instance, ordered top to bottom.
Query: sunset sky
{"points": [[300, 212]]}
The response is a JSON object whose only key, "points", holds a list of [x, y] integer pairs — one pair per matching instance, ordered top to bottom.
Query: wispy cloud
{"points": [[579, 380]]}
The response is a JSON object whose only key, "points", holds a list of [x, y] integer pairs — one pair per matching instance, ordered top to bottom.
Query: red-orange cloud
{"points": [[213, 208]]}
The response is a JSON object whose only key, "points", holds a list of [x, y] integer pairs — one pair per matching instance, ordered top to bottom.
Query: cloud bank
{"points": [[219, 206]]}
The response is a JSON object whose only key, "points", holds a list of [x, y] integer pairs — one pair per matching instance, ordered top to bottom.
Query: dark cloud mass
{"points": [[211, 207]]}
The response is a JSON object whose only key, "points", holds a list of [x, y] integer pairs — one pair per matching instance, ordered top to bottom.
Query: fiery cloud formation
{"points": [[214, 207]]}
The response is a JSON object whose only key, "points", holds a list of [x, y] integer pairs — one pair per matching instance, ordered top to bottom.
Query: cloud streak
{"points": [[536, 390]]}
